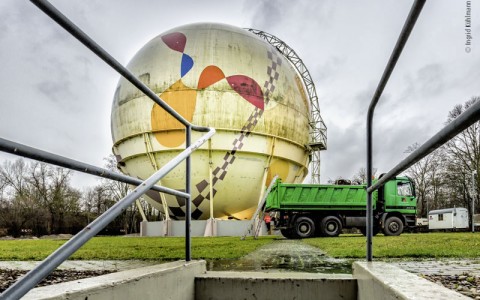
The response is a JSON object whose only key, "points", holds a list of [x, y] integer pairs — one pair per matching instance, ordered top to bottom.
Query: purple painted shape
{"points": [[175, 41], [248, 89]]}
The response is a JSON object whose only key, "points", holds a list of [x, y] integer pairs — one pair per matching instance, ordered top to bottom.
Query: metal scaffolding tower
{"points": [[318, 130]]}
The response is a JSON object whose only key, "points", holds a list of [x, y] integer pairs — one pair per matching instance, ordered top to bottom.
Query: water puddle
{"points": [[285, 255], [325, 266]]}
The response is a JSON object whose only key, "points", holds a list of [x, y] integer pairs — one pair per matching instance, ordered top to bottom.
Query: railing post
{"points": [[402, 40], [474, 194], [188, 212], [369, 212]]}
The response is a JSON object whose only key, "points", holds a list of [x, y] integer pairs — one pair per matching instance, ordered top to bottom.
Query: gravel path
{"points": [[462, 276]]}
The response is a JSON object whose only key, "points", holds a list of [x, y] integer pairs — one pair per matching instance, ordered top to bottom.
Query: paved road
{"points": [[441, 267]]}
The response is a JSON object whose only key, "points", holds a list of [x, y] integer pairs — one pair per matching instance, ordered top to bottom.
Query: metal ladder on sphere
{"points": [[252, 229]]}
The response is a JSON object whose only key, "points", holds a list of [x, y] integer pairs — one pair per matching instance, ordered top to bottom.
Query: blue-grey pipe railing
{"points": [[83, 38], [402, 40], [462, 122], [61, 161], [33, 277]]}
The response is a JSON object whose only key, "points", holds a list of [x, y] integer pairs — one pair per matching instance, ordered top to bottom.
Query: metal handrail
{"points": [[83, 38], [402, 40], [462, 122], [61, 161], [32, 278]]}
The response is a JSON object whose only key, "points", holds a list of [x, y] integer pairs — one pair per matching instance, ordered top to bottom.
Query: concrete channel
{"points": [[191, 280]]}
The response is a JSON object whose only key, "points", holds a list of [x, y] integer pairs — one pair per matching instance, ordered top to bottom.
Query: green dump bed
{"points": [[286, 196]]}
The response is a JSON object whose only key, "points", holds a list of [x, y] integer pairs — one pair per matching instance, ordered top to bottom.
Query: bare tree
{"points": [[463, 152], [427, 174], [361, 176], [444, 178], [52, 189], [117, 191], [37, 198], [98, 199], [17, 206]]}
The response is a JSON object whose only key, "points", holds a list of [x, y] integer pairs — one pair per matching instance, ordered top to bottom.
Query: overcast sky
{"points": [[56, 95]]}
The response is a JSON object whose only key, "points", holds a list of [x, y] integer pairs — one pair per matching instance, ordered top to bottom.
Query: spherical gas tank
{"points": [[218, 76]]}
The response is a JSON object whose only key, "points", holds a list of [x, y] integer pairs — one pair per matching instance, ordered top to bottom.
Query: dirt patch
{"points": [[9, 277]]}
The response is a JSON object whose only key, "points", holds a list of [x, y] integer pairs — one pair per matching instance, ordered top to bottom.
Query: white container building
{"points": [[449, 218]]}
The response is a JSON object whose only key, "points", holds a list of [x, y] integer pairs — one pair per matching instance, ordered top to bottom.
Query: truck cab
{"points": [[399, 201]]}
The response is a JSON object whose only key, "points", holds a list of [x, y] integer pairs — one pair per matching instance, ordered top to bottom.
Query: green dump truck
{"points": [[311, 210]]}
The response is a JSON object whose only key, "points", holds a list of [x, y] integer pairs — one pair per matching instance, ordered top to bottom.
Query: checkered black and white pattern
{"points": [[220, 172]]}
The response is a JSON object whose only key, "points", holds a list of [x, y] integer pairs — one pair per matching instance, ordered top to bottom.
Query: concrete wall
{"points": [[198, 227], [235, 227], [172, 228], [173, 280], [378, 280], [189, 281], [284, 285]]}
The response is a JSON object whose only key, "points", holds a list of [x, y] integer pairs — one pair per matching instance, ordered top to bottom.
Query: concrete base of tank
{"points": [[210, 227], [190, 280]]}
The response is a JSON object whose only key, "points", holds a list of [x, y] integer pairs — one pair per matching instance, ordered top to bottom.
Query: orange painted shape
{"points": [[209, 76], [183, 100]]}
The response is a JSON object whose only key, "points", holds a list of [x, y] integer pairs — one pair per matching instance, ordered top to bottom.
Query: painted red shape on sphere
{"points": [[175, 41], [248, 89]]}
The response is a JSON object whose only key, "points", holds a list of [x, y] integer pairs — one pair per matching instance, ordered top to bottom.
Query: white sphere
{"points": [[223, 77]]}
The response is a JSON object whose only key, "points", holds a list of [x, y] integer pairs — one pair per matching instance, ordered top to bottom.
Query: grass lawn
{"points": [[420, 245], [408, 246], [144, 248]]}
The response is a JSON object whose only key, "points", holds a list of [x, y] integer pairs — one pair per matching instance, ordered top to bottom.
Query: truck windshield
{"points": [[404, 189]]}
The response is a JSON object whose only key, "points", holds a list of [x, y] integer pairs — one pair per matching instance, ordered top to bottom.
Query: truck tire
{"points": [[331, 226], [393, 226], [304, 228]]}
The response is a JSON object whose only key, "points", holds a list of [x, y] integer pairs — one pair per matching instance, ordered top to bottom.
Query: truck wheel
{"points": [[331, 226], [393, 226], [304, 227]]}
